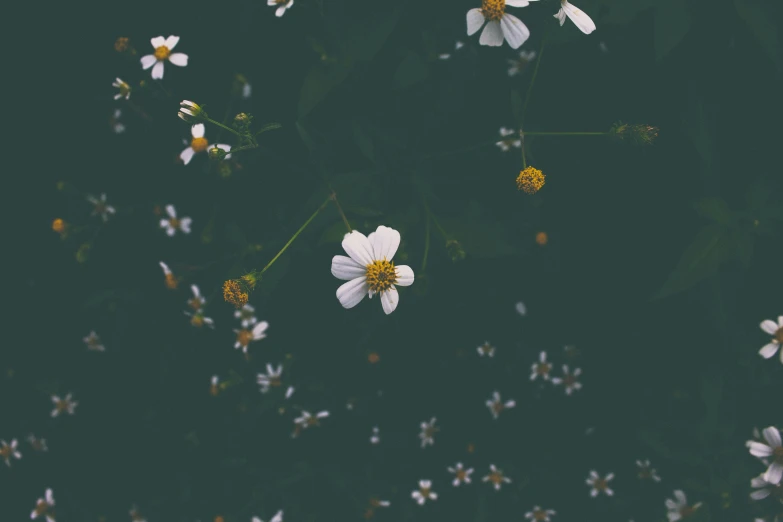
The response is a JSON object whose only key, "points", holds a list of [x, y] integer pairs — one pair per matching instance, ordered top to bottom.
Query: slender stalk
{"points": [[532, 81], [229, 129], [525, 133], [524, 159], [333, 197], [434, 220], [426, 245], [285, 247]]}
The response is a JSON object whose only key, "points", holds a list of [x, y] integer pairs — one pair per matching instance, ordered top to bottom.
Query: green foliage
{"points": [[672, 23], [762, 23], [413, 69]]}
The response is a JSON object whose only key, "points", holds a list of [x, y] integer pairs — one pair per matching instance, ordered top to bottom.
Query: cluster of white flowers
{"points": [[196, 304]]}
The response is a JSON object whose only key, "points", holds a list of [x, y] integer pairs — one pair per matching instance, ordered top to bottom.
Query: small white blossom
{"points": [[282, 6], [579, 17], [500, 25], [457, 46], [163, 47], [519, 65], [124, 88], [114, 122], [506, 142], [198, 143], [100, 207], [172, 224], [171, 281], [198, 301], [247, 315], [198, 319], [776, 331], [245, 336], [94, 343], [486, 349], [540, 368], [272, 379], [569, 379], [496, 404], [63, 405], [306, 420], [428, 430], [375, 438], [38, 444], [772, 449], [9, 450], [646, 471], [461, 475], [496, 477], [599, 485], [765, 489], [424, 492], [43, 507], [679, 508], [136, 515], [540, 515], [277, 518]]}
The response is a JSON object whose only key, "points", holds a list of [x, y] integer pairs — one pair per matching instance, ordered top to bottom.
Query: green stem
{"points": [[532, 80], [229, 129], [523, 133], [524, 159], [333, 197], [434, 220], [426, 246]]}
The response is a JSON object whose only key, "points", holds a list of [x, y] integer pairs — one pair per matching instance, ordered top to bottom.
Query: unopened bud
{"points": [[191, 112], [216, 153], [455, 250]]}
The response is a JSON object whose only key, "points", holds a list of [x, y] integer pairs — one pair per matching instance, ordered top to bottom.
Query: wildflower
{"points": [[283, 6], [580, 19], [499, 23], [121, 44], [457, 46], [163, 47], [519, 65], [125, 89], [191, 111], [114, 122], [506, 142], [200, 144], [530, 180], [100, 208], [172, 224], [59, 226], [542, 238], [455, 250], [369, 269], [171, 281], [197, 301], [521, 308], [247, 315], [198, 319], [776, 331], [245, 336], [94, 343], [486, 349], [541, 368], [272, 379], [569, 379], [214, 386], [63, 405], [496, 405], [305, 420], [428, 430], [375, 438], [36, 443], [772, 449], [7, 451], [646, 471], [461, 475], [496, 477], [600, 485], [765, 489], [424, 492], [374, 504], [44, 507], [680, 509], [136, 515], [540, 515], [277, 518]]}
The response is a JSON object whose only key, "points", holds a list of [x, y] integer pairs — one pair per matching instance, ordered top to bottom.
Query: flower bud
{"points": [[191, 112], [216, 153], [59, 225], [455, 250]]}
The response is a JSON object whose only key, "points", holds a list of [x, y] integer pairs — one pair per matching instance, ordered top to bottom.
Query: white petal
{"points": [[517, 3], [280, 11], [560, 15], [579, 17], [475, 20], [514, 30], [492, 34], [157, 42], [171, 42], [180, 59], [148, 61], [157, 71], [197, 130], [186, 155], [171, 211], [184, 224], [170, 231], [385, 242], [358, 247], [165, 268], [345, 268], [404, 275], [351, 293], [389, 299], [780, 321], [769, 326], [259, 329], [768, 350], [772, 436], [757, 449], [774, 473], [425, 484], [760, 494], [682, 500], [670, 505], [278, 517]]}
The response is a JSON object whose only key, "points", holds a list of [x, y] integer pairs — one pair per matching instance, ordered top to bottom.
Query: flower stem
{"points": [[532, 80], [229, 129], [523, 133], [333, 197], [434, 220], [426, 245]]}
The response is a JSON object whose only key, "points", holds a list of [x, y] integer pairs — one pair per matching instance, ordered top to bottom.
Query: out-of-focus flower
{"points": [[282, 6], [579, 17], [500, 24], [121, 44], [457, 46], [163, 47], [519, 65], [124, 88], [114, 122], [508, 138], [199, 143], [530, 180], [100, 207], [172, 224], [60, 226], [542, 238], [455, 250], [369, 269], [171, 281], [236, 293], [196, 302], [521, 308], [247, 315], [198, 319], [776, 331], [245, 336], [94, 343], [486, 349], [540, 368], [272, 379], [569, 379], [214, 386], [496, 404], [63, 405], [306, 420], [427, 434], [375, 438], [38, 444], [772, 449], [9, 450], [646, 471], [461, 475], [496, 477], [599, 485], [765, 489], [424, 492], [374, 504], [44, 507], [679, 508], [136, 515], [540, 515], [277, 518]]}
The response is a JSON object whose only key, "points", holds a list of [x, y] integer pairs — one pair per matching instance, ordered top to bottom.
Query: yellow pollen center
{"points": [[493, 9], [162, 52], [199, 144], [530, 180], [174, 222], [380, 275], [171, 281], [195, 303], [197, 321], [779, 336], [244, 337], [543, 368], [569, 380], [61, 405], [497, 407], [312, 421], [5, 452], [778, 454], [461, 475], [496, 477], [600, 484], [425, 492], [686, 511], [539, 515]]}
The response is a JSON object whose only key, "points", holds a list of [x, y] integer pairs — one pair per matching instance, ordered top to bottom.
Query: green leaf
{"points": [[672, 22], [762, 25], [366, 35], [413, 69], [319, 82], [363, 141], [714, 208]]}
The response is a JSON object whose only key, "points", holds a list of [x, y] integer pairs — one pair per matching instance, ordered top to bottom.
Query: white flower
{"points": [[283, 5], [579, 17], [499, 23], [457, 46], [163, 47], [520, 64], [124, 88], [247, 90], [189, 111], [116, 125], [199, 143], [506, 143], [100, 207], [172, 224], [369, 269], [171, 281], [196, 302], [520, 306], [247, 315], [198, 319], [776, 331], [245, 336], [93, 342], [486, 349], [540, 368], [272, 379], [569, 379], [214, 386], [496, 404], [63, 405], [306, 419], [427, 434], [375, 438], [36, 443], [773, 449], [7, 451], [646, 471], [461, 475], [496, 477], [599, 485], [765, 489], [424, 492], [376, 503], [43, 507], [679, 509], [136, 515], [540, 515], [277, 518]]}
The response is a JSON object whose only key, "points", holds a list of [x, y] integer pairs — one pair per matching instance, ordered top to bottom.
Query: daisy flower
{"points": [[282, 6], [580, 19], [500, 24], [457, 46], [163, 47], [519, 64], [124, 88], [199, 143], [506, 143], [100, 207], [172, 224], [369, 269], [171, 281], [196, 302], [247, 315], [198, 319], [776, 331], [245, 336], [94, 343], [486, 349], [540, 368], [272, 379], [569, 379], [214, 386], [496, 404], [63, 405], [306, 419], [427, 434], [375, 438], [36, 443], [772, 449], [7, 451], [646, 471], [461, 475], [496, 477], [599, 485], [765, 489], [424, 492], [375, 503], [43, 507], [679, 508], [540, 515], [277, 518]]}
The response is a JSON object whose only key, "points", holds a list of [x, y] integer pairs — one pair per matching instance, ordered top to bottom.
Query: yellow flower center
{"points": [[493, 9], [162, 52], [199, 144], [530, 180], [174, 222], [58, 225], [542, 238], [381, 275], [171, 281], [234, 293], [195, 303], [197, 320], [779, 336], [244, 337], [543, 368], [569, 379], [61, 405], [497, 407], [312, 421], [5, 452], [778, 454], [461, 475], [496, 477], [600, 484], [425, 492], [686, 511], [539, 515]]}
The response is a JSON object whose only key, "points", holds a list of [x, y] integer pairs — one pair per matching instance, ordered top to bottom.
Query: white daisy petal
{"points": [[517, 3], [280, 11], [560, 15], [579, 17], [475, 20], [514, 30], [492, 34], [157, 42], [171, 42], [180, 59], [148, 61], [157, 71], [197, 130], [186, 155], [184, 224], [385, 242], [358, 247], [345, 268], [404, 275], [351, 293], [389, 300], [769, 327], [259, 329], [768, 350], [772, 436], [757, 449], [774, 473], [760, 494]]}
